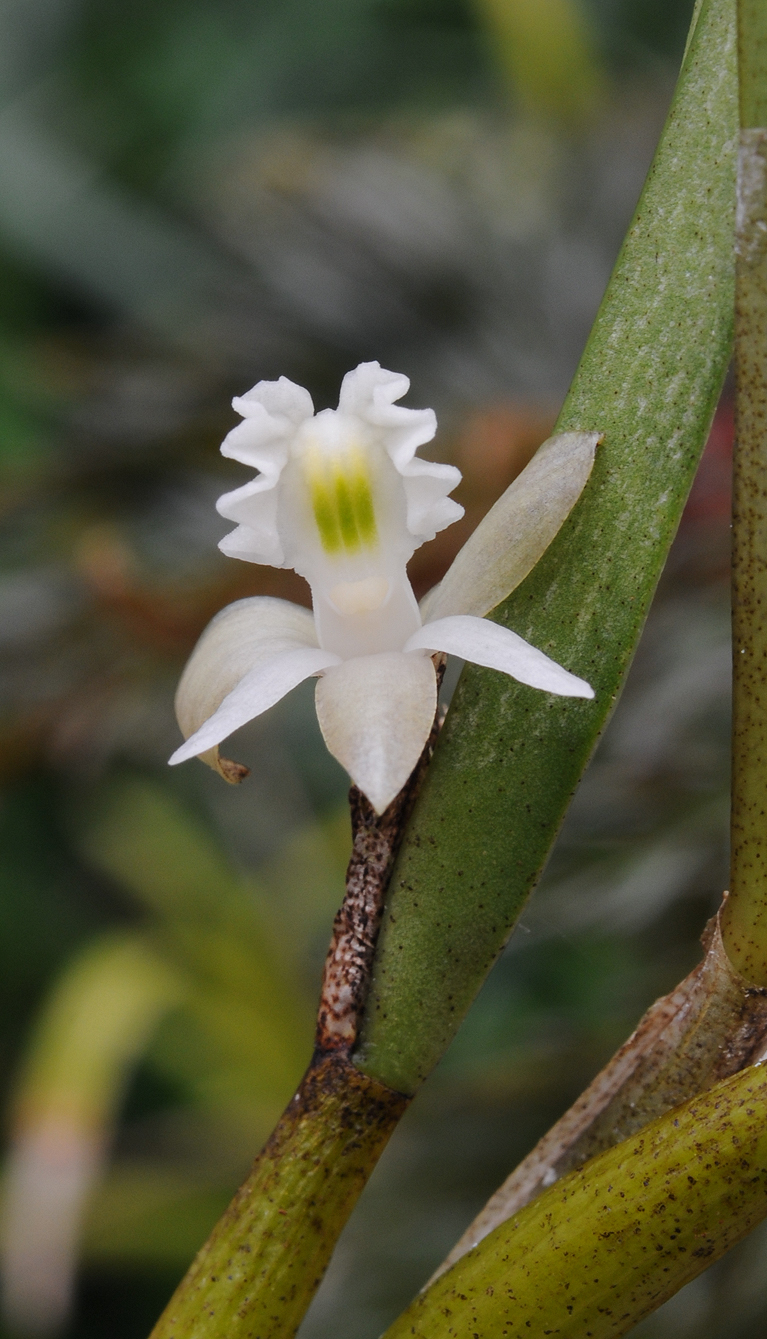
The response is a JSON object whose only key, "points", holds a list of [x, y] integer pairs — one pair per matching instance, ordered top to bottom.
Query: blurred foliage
{"points": [[554, 75], [198, 196]]}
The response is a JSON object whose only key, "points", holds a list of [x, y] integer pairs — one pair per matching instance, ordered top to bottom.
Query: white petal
{"points": [[369, 392], [515, 533], [239, 638], [488, 644], [259, 690], [375, 714]]}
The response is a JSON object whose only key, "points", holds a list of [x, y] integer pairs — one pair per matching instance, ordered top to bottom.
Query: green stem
{"points": [[752, 62], [509, 758], [744, 921], [712, 1025], [608, 1244], [258, 1272]]}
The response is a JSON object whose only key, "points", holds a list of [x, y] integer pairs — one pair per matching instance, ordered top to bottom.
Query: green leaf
{"points": [[546, 49], [509, 757], [744, 922], [213, 923], [92, 1030]]}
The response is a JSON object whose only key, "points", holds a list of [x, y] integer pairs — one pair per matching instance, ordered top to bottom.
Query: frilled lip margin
{"points": [[274, 414]]}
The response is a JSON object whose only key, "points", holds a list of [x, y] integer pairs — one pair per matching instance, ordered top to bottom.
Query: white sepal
{"points": [[517, 530], [243, 635], [488, 644], [255, 693], [375, 714]]}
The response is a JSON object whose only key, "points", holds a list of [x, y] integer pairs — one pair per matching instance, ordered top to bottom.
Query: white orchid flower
{"points": [[342, 498]]}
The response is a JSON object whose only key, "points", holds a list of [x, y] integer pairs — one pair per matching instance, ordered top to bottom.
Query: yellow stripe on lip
{"points": [[342, 499]]}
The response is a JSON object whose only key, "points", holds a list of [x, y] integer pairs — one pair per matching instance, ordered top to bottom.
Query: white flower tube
{"points": [[342, 498]]}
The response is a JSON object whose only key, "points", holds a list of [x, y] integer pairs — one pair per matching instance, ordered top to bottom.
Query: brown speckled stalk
{"points": [[744, 921], [355, 928]]}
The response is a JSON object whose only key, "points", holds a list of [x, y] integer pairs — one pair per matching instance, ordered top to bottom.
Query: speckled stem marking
{"points": [[355, 930], [608, 1244], [256, 1275]]}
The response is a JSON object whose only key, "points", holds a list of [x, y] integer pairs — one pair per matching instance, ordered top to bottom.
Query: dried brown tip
{"points": [[233, 772]]}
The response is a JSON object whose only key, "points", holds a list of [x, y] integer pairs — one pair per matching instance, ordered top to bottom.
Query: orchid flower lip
{"points": [[342, 497]]}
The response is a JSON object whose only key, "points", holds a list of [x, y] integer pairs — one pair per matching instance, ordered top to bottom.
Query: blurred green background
{"points": [[195, 196]]}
